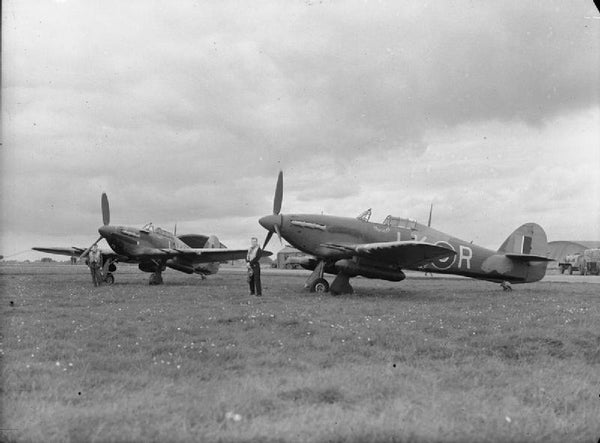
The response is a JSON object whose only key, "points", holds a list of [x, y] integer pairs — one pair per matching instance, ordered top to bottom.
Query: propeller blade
{"points": [[278, 194], [105, 210], [278, 233], [268, 237], [87, 251]]}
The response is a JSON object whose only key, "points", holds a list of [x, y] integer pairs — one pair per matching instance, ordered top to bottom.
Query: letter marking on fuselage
{"points": [[465, 253]]}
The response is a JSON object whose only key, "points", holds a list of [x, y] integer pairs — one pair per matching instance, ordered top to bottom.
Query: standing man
{"points": [[252, 262], [95, 263]]}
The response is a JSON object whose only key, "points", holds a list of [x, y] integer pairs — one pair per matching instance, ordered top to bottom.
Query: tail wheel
{"points": [[109, 279], [319, 285]]}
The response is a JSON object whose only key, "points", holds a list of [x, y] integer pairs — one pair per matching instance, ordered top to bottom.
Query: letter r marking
{"points": [[465, 253]]}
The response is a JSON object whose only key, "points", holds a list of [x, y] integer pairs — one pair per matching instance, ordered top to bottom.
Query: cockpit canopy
{"points": [[399, 222], [149, 227]]}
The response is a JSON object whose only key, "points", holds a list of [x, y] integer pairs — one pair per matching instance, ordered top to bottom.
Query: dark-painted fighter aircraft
{"points": [[349, 247], [155, 249]]}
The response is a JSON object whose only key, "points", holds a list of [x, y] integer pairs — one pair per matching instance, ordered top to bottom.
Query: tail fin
{"points": [[527, 241], [212, 242], [528, 245]]}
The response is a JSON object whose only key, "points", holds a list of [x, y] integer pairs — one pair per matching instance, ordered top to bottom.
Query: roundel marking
{"points": [[444, 262]]}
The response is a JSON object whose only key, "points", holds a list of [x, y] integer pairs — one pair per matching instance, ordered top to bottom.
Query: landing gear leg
{"points": [[156, 278], [316, 282], [341, 284], [506, 286]]}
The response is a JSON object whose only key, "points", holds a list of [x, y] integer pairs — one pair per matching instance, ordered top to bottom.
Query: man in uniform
{"points": [[252, 262], [95, 263]]}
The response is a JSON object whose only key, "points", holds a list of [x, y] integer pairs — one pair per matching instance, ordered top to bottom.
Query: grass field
{"points": [[427, 359]]}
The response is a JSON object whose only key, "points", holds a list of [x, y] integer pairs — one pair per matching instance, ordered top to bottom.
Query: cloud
{"points": [[186, 111]]}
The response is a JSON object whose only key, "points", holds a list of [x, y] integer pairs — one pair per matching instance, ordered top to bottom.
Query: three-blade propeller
{"points": [[277, 200], [105, 222]]}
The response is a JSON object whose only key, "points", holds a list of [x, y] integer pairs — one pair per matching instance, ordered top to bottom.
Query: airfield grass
{"points": [[427, 359]]}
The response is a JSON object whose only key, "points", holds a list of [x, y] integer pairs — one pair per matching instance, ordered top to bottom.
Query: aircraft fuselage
{"points": [[311, 233], [137, 244]]}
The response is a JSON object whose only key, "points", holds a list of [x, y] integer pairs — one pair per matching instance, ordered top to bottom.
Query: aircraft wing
{"points": [[72, 251], [75, 251], [401, 253], [198, 255]]}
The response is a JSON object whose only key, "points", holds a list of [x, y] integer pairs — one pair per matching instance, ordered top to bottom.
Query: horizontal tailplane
{"points": [[528, 257]]}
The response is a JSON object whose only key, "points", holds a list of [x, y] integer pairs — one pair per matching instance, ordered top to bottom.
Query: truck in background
{"points": [[590, 262], [586, 263]]}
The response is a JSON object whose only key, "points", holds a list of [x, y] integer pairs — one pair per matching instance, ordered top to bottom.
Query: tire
{"points": [[289, 266], [109, 279], [155, 279], [319, 285]]}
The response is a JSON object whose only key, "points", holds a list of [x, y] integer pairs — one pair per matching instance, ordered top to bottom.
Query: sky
{"points": [[184, 113]]}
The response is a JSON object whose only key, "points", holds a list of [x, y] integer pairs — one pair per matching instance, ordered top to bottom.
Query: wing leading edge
{"points": [[72, 251], [75, 251], [401, 253], [195, 255], [198, 255]]}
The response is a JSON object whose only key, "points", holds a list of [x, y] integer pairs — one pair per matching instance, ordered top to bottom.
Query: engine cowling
{"points": [[354, 269]]}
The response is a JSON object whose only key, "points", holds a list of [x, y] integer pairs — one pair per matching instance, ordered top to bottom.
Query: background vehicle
{"points": [[587, 262], [590, 262], [570, 263]]}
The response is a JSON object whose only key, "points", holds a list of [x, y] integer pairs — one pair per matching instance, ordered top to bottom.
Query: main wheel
{"points": [[109, 279], [155, 279], [319, 285]]}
